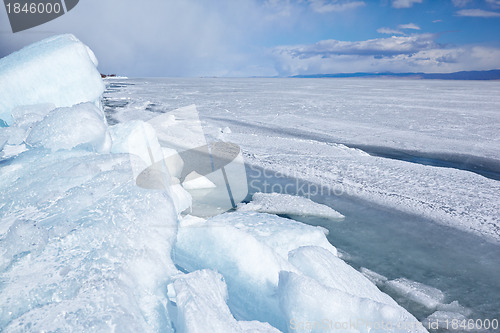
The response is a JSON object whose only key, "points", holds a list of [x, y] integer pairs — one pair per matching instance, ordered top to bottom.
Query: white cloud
{"points": [[404, 3], [460, 3], [494, 3], [325, 6], [477, 13], [437, 21], [409, 26], [389, 31], [379, 47], [418, 53]]}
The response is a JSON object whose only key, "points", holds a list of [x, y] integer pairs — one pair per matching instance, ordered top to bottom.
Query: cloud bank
{"points": [[416, 53]]}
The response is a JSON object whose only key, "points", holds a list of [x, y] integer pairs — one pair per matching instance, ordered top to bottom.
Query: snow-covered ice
{"points": [[59, 70], [53, 132], [139, 138], [153, 163], [277, 203], [81, 246], [249, 250], [278, 271], [333, 272], [377, 279], [426, 296], [420, 297], [200, 300], [307, 303]]}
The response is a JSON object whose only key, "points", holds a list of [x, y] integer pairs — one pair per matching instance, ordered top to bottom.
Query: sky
{"points": [[241, 38]]}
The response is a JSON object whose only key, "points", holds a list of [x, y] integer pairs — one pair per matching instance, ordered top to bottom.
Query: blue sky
{"points": [[278, 37]]}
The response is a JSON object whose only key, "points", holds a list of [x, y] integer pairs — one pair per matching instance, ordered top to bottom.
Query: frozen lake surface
{"points": [[407, 115], [307, 127], [412, 164]]}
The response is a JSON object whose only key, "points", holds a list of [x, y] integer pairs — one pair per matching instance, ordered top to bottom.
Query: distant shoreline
{"points": [[490, 75]]}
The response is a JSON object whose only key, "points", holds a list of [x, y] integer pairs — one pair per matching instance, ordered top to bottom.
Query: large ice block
{"points": [[60, 70]]}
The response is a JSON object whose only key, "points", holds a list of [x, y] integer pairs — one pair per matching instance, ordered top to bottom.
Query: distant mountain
{"points": [[464, 75]]}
